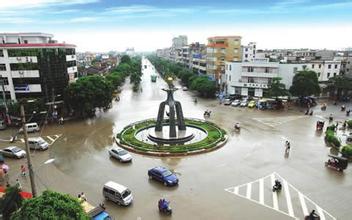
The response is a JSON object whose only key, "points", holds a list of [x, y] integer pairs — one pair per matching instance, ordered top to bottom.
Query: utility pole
{"points": [[29, 162]]}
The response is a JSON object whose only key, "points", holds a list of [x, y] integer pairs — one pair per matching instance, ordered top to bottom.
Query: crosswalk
{"points": [[49, 138], [290, 201]]}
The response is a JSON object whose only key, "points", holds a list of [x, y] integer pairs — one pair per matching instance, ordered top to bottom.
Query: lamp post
{"points": [[29, 162]]}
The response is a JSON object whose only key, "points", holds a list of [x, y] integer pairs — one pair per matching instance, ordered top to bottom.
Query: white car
{"points": [[185, 88], [227, 101], [236, 103], [244, 103], [13, 151], [120, 154]]}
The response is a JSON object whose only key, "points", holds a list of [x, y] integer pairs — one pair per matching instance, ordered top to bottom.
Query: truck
{"points": [[95, 213]]}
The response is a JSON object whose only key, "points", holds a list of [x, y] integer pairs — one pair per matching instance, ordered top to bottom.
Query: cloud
{"points": [[20, 4], [147, 10], [67, 11], [83, 19], [15, 20]]}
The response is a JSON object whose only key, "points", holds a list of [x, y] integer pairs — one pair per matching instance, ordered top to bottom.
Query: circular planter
{"points": [[216, 138]]}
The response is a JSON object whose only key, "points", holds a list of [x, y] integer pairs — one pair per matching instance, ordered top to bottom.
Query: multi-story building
{"points": [[179, 42], [222, 49], [249, 52], [198, 57], [34, 65], [254, 78]]}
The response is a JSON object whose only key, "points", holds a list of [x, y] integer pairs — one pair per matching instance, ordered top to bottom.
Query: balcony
{"points": [[70, 57], [31, 59], [211, 59], [72, 69], [25, 74], [259, 74]]}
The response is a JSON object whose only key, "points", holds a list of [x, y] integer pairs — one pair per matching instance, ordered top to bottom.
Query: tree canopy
{"points": [[125, 59], [305, 83], [339, 85], [277, 88], [88, 93], [10, 202], [51, 205]]}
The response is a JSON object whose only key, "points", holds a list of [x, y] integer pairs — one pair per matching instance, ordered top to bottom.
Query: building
{"points": [[179, 42], [222, 49], [249, 52], [198, 57], [34, 65], [254, 78]]}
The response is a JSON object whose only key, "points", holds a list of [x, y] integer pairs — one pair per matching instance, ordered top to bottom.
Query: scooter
{"points": [[237, 127], [277, 186], [164, 207]]}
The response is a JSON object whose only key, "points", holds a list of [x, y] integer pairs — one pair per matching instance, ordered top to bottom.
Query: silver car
{"points": [[236, 103], [13, 151], [120, 154]]}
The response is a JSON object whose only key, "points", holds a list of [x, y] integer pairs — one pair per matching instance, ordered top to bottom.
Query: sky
{"points": [[105, 25]]}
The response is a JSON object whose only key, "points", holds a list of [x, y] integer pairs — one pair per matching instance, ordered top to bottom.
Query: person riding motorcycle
{"points": [[331, 118], [237, 126], [277, 186], [163, 206], [312, 215]]}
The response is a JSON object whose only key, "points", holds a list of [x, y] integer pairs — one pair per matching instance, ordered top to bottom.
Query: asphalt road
{"points": [[208, 182]]}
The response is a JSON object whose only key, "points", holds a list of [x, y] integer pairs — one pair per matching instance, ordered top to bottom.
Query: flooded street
{"points": [[82, 163]]}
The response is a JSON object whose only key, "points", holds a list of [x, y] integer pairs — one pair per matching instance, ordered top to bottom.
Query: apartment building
{"points": [[221, 49], [249, 52], [198, 56], [35, 65], [254, 78]]}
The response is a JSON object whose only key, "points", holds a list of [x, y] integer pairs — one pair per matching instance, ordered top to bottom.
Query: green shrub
{"points": [[349, 123], [330, 128], [331, 138], [347, 150]]}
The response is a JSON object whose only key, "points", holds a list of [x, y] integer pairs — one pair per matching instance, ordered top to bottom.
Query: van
{"points": [[31, 127], [37, 143], [117, 193]]}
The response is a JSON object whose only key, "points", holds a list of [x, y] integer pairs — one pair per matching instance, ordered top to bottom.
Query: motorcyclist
{"points": [[343, 107], [348, 112], [331, 118], [237, 126], [277, 185], [163, 205], [313, 215]]}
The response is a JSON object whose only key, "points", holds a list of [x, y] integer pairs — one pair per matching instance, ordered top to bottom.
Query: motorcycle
{"points": [[207, 113], [237, 127], [277, 186], [164, 207], [312, 216]]}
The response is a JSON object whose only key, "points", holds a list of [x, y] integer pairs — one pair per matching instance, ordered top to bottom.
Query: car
{"points": [[185, 88], [227, 101], [236, 103], [244, 103], [251, 104], [13, 151], [120, 154], [163, 175]]}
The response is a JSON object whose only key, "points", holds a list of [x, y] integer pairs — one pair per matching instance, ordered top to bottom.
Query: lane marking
{"points": [[52, 140], [249, 189], [236, 190], [261, 191], [288, 199], [275, 202], [303, 204], [321, 212]]}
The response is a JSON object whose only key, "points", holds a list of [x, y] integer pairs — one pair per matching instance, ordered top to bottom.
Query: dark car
{"points": [[163, 175]]}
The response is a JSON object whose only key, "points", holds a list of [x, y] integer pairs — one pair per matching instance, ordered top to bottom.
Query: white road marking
{"points": [[52, 140], [249, 189], [289, 190], [261, 191], [288, 199], [275, 202], [303, 204]]}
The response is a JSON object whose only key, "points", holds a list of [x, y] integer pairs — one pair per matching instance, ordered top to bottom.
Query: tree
{"points": [[125, 59], [305, 83], [339, 85], [204, 86], [277, 88], [88, 93], [10, 202], [51, 205]]}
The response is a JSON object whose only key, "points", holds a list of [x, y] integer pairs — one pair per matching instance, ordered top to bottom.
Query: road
{"points": [[207, 181]]}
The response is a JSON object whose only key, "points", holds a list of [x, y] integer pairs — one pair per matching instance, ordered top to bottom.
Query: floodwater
{"points": [[82, 163]]}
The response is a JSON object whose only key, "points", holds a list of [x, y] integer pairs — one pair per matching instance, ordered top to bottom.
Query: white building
{"points": [[249, 52], [34, 65], [254, 78]]}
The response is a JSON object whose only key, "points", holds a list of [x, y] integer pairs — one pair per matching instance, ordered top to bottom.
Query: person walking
{"points": [[23, 171], [18, 184]]}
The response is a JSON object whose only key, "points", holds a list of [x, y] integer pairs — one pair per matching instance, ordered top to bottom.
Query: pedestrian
{"points": [[61, 121], [288, 147], [23, 171], [18, 184], [83, 197]]}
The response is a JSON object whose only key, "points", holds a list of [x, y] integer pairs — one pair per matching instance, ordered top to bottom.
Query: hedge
{"points": [[349, 123], [331, 138], [347, 151]]}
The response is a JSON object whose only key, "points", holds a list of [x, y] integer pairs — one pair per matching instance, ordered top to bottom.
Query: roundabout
{"points": [[207, 137]]}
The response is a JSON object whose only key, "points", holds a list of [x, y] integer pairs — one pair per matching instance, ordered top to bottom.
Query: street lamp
{"points": [[29, 162]]}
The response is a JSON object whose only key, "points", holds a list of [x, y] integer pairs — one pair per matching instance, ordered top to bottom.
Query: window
{"points": [[26, 41], [246, 49], [23, 52], [1, 53], [246, 55], [319, 65], [24, 66], [312, 66], [329, 66], [335, 66], [2, 67], [230, 67], [250, 69], [266, 69], [295, 69], [318, 74], [334, 74], [328, 75], [230, 77], [250, 79]]}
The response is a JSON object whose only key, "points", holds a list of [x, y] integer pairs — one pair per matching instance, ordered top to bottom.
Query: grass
{"points": [[215, 135]]}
